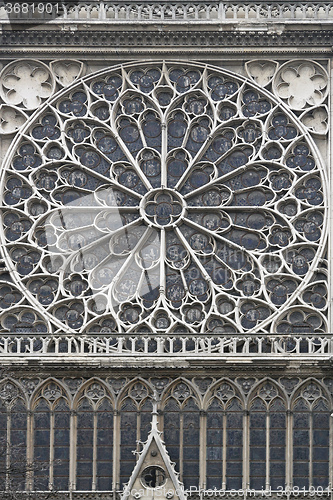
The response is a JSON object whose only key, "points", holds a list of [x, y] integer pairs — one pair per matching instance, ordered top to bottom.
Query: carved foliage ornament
{"points": [[165, 198]]}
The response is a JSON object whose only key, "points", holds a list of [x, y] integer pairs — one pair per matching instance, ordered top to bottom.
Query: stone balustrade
{"points": [[152, 12], [158, 345]]}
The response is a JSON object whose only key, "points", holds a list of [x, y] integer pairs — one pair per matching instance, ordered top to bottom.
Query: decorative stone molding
{"points": [[156, 42], [180, 389]]}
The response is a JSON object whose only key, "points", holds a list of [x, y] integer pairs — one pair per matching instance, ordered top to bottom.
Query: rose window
{"points": [[164, 198]]}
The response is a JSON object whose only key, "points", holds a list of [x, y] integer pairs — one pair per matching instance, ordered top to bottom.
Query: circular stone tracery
{"points": [[168, 198], [163, 208]]}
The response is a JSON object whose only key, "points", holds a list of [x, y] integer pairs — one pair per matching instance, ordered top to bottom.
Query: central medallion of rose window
{"points": [[164, 198], [163, 208]]}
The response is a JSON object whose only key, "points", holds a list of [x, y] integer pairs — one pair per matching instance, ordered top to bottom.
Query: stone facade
{"points": [[165, 243]]}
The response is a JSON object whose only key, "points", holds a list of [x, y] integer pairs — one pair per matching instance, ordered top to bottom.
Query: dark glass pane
{"points": [[145, 414], [18, 424], [171, 430], [128, 437], [214, 437], [236, 437], [258, 437], [301, 437], [277, 438], [320, 438], [191, 441], [301, 442], [85, 443], [258, 444], [42, 445], [104, 445], [61, 446], [214, 450], [320, 451], [191, 453], [234, 453], [258, 453], [278, 453], [301, 453], [234, 464], [235, 469], [320, 469], [215, 470], [301, 470], [214, 481], [104, 483]]}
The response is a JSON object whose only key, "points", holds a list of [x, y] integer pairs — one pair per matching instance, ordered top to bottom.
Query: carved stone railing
{"points": [[169, 12], [165, 345]]}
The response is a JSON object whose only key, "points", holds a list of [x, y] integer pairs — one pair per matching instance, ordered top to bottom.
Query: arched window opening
{"points": [[51, 419], [145, 419], [135, 421], [42, 423], [172, 430], [311, 431], [182, 433], [13, 436], [128, 439], [267, 439], [94, 440], [224, 440], [191, 441], [3, 444], [277, 444], [301, 444], [320, 444], [61, 445], [85, 445], [104, 445], [214, 445], [258, 445], [18, 446], [234, 456]]}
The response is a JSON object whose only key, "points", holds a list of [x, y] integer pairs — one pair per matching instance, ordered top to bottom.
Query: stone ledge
{"points": [[202, 39]]}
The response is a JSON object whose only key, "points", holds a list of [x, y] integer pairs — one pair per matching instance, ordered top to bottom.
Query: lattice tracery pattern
{"points": [[168, 198]]}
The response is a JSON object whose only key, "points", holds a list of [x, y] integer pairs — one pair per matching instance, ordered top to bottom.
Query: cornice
{"points": [[157, 42]]}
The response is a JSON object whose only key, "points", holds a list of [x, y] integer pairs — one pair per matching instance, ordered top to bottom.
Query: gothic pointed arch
{"points": [[51, 389], [95, 389], [138, 389], [180, 389], [225, 389], [267, 389], [311, 389], [10, 390], [50, 405], [181, 405], [224, 406], [268, 406], [135, 407], [311, 411], [94, 415], [13, 433]]}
